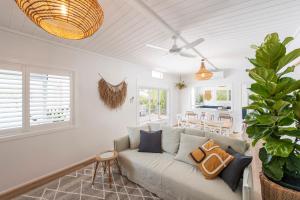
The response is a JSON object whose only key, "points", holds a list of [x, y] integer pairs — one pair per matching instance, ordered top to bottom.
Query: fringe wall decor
{"points": [[113, 96]]}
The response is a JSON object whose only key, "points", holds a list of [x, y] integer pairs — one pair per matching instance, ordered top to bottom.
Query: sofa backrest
{"points": [[156, 126], [194, 131], [238, 145]]}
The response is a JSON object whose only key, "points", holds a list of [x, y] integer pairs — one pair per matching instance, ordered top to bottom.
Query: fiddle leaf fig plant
{"points": [[274, 115]]}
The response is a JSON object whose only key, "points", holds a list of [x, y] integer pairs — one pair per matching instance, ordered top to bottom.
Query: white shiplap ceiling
{"points": [[228, 26]]}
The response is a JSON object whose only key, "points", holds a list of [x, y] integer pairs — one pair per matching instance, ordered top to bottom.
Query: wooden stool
{"points": [[107, 160]]}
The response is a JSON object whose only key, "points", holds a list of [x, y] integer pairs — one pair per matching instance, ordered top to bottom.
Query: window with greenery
{"points": [[223, 95], [213, 96], [152, 104]]}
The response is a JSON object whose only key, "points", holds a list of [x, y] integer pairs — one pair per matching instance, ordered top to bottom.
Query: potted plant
{"points": [[181, 84], [275, 116]]}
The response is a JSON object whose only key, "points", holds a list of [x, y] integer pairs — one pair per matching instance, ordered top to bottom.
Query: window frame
{"points": [[213, 89], [167, 107], [26, 130]]}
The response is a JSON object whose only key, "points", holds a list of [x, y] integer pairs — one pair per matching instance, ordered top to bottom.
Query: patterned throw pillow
{"points": [[211, 159]]}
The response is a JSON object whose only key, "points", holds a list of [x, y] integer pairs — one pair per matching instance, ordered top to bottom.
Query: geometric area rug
{"points": [[78, 186]]}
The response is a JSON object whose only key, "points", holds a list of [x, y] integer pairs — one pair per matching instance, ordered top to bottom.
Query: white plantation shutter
{"points": [[11, 96], [49, 98]]}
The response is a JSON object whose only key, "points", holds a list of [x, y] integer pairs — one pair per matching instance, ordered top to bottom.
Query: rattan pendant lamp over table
{"points": [[203, 73]]}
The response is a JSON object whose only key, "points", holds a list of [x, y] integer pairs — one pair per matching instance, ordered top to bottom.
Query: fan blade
{"points": [[193, 44], [157, 47], [188, 55]]}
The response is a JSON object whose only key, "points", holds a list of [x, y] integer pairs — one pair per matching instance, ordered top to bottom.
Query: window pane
{"points": [[153, 94], [222, 95], [198, 96], [10, 99], [49, 99], [152, 104], [163, 104], [144, 105]]}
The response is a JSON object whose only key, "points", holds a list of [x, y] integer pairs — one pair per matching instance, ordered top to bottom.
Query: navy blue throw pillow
{"points": [[150, 141], [234, 171]]}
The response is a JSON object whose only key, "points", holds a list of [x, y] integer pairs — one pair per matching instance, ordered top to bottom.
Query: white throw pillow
{"points": [[134, 135], [171, 139], [188, 143]]}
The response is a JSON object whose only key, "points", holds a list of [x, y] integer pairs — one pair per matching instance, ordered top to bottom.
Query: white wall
{"points": [[232, 78], [96, 126]]}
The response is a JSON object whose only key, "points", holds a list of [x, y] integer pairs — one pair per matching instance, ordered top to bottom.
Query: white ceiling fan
{"points": [[179, 50]]}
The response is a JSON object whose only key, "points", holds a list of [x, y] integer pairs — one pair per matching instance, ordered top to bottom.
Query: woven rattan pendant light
{"points": [[69, 19], [203, 73]]}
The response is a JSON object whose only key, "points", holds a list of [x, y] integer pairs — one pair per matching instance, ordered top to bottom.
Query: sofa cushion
{"points": [[156, 126], [194, 131], [134, 135], [171, 139], [150, 142], [187, 144], [238, 145], [216, 159], [145, 168], [234, 171], [183, 181]]}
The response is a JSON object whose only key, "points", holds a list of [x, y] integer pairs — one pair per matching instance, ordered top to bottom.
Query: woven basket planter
{"points": [[273, 191]]}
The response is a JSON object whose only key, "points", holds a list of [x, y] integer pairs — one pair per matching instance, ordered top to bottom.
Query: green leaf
{"points": [[272, 38], [287, 40], [254, 46], [270, 52], [288, 58], [254, 62], [287, 70], [262, 75], [255, 76], [283, 83], [295, 85], [271, 87], [259, 89], [255, 97], [289, 98], [262, 104], [280, 105], [253, 106], [296, 108], [250, 118], [266, 119], [250, 121], [286, 121], [287, 128], [257, 132], [293, 132], [279, 147], [264, 156], [293, 165], [274, 169]]}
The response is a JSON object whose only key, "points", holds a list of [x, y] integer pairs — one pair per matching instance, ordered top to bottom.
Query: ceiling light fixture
{"points": [[68, 19], [203, 73]]}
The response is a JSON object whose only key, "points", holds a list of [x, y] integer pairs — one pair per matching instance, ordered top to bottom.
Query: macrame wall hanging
{"points": [[113, 96]]}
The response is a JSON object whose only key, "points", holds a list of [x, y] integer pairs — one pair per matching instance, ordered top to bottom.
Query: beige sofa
{"points": [[171, 179]]}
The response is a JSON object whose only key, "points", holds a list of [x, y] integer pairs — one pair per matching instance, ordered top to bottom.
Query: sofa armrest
{"points": [[121, 144], [247, 183]]}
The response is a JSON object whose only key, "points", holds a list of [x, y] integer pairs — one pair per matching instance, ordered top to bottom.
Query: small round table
{"points": [[107, 160]]}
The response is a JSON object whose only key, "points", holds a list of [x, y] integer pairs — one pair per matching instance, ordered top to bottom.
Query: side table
{"points": [[107, 160]]}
